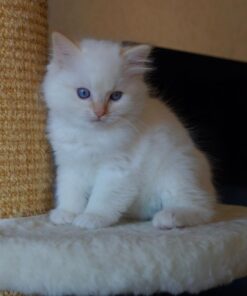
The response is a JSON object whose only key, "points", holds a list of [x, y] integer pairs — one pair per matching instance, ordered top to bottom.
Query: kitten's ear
{"points": [[63, 49], [136, 58]]}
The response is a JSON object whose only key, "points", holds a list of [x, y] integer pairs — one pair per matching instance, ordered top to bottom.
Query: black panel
{"points": [[210, 96]]}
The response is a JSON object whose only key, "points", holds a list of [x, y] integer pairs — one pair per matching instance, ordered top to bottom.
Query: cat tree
{"points": [[131, 257]]}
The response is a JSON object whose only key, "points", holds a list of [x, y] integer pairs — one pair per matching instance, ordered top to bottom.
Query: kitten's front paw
{"points": [[59, 216], [92, 221]]}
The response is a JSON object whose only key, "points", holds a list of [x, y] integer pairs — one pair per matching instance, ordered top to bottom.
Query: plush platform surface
{"points": [[39, 257]]}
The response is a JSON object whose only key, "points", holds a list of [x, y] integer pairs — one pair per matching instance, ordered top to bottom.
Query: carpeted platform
{"points": [[38, 257]]}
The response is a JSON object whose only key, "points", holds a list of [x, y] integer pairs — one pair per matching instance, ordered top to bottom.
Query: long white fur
{"points": [[138, 160]]}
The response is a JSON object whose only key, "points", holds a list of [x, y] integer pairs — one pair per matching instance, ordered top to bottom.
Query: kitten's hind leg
{"points": [[187, 195], [180, 217]]}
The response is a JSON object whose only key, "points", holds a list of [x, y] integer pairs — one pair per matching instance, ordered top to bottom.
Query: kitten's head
{"points": [[96, 82]]}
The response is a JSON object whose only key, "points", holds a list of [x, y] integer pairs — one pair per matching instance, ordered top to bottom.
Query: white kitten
{"points": [[118, 151]]}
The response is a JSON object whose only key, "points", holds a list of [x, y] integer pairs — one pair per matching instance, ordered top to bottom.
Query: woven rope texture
{"points": [[25, 172], [7, 293]]}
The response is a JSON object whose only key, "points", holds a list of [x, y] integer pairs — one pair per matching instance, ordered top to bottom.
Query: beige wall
{"points": [[214, 27]]}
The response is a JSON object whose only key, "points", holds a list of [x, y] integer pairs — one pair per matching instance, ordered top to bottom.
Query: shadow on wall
{"points": [[210, 96]]}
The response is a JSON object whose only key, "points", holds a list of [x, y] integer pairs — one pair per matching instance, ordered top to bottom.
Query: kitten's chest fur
{"points": [[90, 146]]}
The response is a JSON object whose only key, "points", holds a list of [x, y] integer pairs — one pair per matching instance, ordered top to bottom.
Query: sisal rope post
{"points": [[25, 162]]}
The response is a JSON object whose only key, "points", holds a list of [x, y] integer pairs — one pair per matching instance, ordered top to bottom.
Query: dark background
{"points": [[210, 96]]}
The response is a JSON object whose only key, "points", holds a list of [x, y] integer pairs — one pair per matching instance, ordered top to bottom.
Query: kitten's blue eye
{"points": [[83, 93], [116, 95]]}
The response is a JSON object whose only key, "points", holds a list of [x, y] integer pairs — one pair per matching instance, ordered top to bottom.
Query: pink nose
{"points": [[100, 112]]}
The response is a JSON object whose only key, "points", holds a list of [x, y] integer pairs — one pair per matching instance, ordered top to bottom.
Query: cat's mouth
{"points": [[99, 120], [102, 121]]}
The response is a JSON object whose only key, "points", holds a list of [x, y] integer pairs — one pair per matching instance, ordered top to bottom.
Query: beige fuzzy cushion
{"points": [[25, 173], [126, 258]]}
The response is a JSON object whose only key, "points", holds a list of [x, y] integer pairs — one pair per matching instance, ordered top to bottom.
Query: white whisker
{"points": [[131, 125]]}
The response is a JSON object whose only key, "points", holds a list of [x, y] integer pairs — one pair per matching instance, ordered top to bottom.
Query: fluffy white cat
{"points": [[118, 151]]}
